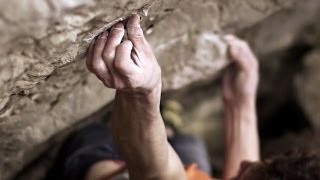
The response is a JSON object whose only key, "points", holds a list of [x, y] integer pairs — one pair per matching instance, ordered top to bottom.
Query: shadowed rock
{"points": [[44, 84]]}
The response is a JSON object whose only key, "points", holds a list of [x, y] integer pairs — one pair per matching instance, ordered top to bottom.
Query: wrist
{"points": [[150, 98], [241, 103], [243, 111]]}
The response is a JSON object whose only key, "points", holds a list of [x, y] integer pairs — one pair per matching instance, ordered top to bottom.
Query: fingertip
{"points": [[134, 20], [118, 26], [135, 32], [116, 34], [103, 35], [229, 37], [127, 43], [125, 48]]}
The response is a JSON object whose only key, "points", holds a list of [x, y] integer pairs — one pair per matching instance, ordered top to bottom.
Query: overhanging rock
{"points": [[44, 85]]}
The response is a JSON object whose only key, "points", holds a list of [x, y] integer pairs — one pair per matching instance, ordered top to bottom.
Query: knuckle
{"points": [[135, 32], [137, 38], [101, 40], [126, 44], [244, 44], [108, 56], [120, 65], [97, 66], [135, 83], [119, 85]]}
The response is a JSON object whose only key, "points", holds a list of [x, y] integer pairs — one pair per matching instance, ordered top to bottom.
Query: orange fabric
{"points": [[193, 173]]}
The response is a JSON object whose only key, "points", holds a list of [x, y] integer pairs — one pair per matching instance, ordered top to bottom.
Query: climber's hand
{"points": [[126, 65], [241, 78], [240, 121]]}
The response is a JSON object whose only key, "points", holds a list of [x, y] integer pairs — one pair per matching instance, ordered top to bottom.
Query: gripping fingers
{"points": [[135, 32], [114, 39], [99, 45], [241, 52], [89, 56], [123, 62], [97, 65]]}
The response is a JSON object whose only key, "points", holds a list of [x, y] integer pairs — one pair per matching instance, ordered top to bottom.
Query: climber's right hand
{"points": [[126, 65]]}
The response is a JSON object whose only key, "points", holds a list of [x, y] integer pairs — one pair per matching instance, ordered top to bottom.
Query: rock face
{"points": [[44, 85]]}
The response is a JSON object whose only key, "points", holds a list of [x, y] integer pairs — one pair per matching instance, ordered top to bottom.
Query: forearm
{"points": [[140, 133], [241, 136]]}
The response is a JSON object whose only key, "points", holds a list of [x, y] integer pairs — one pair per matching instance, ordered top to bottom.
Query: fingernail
{"points": [[118, 26], [103, 35]]}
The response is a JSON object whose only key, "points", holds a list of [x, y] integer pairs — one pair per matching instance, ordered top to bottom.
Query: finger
{"points": [[135, 33], [229, 37], [114, 39], [99, 45], [235, 47], [240, 47], [240, 51], [89, 56], [123, 62], [98, 66], [102, 73], [227, 83]]}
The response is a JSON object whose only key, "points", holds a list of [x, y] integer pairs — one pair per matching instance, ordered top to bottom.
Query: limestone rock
{"points": [[44, 85]]}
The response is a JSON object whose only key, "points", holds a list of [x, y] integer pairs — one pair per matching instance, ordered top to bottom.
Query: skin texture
{"points": [[130, 67], [239, 89]]}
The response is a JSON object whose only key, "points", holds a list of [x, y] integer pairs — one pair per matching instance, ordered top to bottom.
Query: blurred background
{"points": [[46, 91]]}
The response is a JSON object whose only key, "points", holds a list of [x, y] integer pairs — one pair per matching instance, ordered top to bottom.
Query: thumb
{"points": [[135, 33]]}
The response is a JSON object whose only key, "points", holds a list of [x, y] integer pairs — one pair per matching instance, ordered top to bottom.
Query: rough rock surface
{"points": [[285, 28], [44, 85]]}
